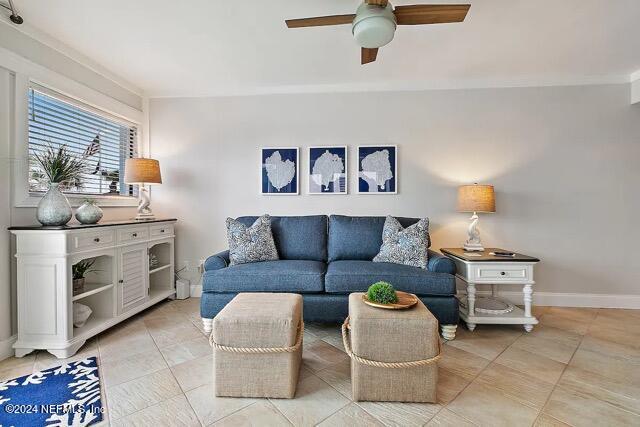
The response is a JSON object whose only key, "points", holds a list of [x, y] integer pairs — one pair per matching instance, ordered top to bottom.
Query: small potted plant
{"points": [[59, 169], [78, 271], [382, 293]]}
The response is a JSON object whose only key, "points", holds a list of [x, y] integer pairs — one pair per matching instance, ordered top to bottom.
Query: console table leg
{"points": [[471, 298], [22, 352]]}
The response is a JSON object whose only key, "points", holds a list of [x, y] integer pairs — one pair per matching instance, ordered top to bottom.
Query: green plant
{"points": [[59, 166], [83, 267], [382, 292]]}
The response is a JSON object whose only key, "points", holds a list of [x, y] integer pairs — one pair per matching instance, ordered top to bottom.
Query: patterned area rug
{"points": [[68, 395]]}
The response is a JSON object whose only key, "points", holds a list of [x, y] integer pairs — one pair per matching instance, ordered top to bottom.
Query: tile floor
{"points": [[578, 367]]}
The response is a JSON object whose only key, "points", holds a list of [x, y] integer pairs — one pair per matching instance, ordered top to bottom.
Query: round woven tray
{"points": [[405, 300]]}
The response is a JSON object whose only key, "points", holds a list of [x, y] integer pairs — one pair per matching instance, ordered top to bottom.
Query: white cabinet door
{"points": [[133, 270]]}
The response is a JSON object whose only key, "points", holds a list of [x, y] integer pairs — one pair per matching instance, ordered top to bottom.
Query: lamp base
{"points": [[147, 216], [473, 247]]}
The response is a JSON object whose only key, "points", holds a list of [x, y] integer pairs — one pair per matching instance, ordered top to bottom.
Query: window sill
{"points": [[32, 201]]}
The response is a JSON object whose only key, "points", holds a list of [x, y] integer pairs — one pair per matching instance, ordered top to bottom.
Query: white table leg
{"points": [[527, 290], [471, 298]]}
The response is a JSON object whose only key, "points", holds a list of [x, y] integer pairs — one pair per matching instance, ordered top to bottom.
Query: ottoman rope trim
{"points": [[260, 350], [378, 364]]}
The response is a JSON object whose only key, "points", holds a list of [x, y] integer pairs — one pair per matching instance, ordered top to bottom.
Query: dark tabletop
{"points": [[78, 226], [484, 255]]}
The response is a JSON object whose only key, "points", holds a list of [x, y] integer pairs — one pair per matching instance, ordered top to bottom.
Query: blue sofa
{"points": [[324, 259]]}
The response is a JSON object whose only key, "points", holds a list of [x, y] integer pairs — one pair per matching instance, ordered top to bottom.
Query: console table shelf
{"points": [[121, 285], [92, 289]]}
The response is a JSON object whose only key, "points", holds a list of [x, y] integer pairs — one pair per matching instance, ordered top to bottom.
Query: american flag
{"points": [[93, 148]]}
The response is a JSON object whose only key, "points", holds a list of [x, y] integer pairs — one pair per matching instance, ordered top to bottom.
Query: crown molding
{"points": [[398, 86]]}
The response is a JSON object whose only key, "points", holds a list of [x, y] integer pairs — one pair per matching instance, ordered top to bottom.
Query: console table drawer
{"points": [[161, 230], [133, 234], [94, 239], [502, 272]]}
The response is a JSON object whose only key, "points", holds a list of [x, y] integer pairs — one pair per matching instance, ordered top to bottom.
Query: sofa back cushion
{"points": [[297, 237], [358, 237]]}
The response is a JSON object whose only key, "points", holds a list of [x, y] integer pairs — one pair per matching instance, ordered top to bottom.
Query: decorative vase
{"points": [[54, 208], [89, 213], [78, 285], [81, 313]]}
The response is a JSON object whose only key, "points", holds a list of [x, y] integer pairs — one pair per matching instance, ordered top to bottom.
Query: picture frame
{"points": [[279, 171], [328, 171], [379, 172]]}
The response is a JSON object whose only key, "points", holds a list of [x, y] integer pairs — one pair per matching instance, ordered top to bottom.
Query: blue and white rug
{"points": [[68, 395]]}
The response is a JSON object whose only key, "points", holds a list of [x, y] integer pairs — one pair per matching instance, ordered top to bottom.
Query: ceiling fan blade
{"points": [[382, 3], [430, 13], [320, 21], [368, 55]]}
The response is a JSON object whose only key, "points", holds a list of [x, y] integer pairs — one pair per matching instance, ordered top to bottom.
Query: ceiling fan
{"points": [[374, 23]]}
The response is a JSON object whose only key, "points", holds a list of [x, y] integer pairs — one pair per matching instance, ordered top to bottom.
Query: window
{"points": [[100, 140]]}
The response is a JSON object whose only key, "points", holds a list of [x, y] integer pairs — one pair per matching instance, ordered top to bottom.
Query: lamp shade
{"points": [[142, 171], [476, 198]]}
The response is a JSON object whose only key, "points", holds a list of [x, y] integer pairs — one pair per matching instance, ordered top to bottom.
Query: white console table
{"points": [[482, 268], [122, 285]]}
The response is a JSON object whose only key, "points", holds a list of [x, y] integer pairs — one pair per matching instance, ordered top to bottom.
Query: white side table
{"points": [[482, 268]]}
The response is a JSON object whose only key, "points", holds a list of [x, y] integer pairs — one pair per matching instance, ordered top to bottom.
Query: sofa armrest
{"points": [[217, 261], [439, 263]]}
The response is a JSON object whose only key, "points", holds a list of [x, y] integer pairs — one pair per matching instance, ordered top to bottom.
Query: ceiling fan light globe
{"points": [[373, 32]]}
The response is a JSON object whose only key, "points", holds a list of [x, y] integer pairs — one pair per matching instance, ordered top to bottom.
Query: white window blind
{"points": [[101, 141]]}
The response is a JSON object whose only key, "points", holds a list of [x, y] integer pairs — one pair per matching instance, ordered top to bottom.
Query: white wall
{"points": [[22, 58], [563, 161]]}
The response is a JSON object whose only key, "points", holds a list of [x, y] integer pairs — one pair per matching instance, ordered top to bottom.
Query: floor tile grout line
{"points": [[480, 373], [555, 386]]}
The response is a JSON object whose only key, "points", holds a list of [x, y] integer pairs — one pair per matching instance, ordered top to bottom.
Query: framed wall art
{"points": [[377, 169], [328, 170], [279, 175]]}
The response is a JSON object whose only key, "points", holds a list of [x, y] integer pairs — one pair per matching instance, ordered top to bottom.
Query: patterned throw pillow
{"points": [[251, 244], [407, 246]]}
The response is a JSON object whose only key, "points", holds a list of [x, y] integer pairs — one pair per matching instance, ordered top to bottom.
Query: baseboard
{"points": [[196, 291], [559, 299], [6, 347]]}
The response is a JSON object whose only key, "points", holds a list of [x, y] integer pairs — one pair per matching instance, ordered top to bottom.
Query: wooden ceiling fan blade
{"points": [[382, 3], [430, 13], [320, 21], [368, 55]]}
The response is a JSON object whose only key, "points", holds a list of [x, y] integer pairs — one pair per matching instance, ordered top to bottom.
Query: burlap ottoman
{"points": [[257, 341], [393, 352]]}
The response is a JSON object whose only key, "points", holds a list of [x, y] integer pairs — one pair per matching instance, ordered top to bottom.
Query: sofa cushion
{"points": [[297, 237], [358, 237], [267, 276], [357, 276]]}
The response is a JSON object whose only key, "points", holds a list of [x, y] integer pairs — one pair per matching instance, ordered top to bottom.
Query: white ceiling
{"points": [[210, 47]]}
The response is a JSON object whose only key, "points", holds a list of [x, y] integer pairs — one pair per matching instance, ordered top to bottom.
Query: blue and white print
{"points": [[377, 169], [327, 170], [279, 171], [68, 395]]}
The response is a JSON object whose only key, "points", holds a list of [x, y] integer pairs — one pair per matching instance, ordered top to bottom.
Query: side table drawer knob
{"points": [[502, 273]]}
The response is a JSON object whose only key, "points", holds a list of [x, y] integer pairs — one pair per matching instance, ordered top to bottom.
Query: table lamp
{"points": [[142, 171], [475, 198]]}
